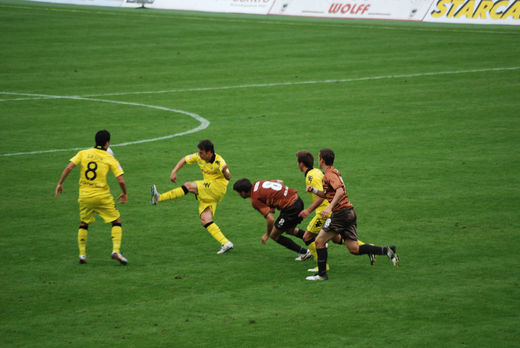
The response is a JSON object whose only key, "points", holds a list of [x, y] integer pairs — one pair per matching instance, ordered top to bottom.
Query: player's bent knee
{"points": [[189, 187], [116, 223], [206, 224], [308, 236], [320, 244], [353, 247]]}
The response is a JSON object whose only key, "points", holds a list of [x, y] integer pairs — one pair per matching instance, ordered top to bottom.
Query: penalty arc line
{"points": [[203, 123]]}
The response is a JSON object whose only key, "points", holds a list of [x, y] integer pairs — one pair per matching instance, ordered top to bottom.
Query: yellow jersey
{"points": [[95, 164], [211, 171], [314, 178]]}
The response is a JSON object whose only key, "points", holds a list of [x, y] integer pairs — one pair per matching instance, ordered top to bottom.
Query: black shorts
{"points": [[289, 218], [344, 222]]}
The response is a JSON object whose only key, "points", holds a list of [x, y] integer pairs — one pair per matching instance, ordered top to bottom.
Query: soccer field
{"points": [[424, 121]]}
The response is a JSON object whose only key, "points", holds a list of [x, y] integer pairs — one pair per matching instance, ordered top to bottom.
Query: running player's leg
{"points": [[177, 192], [209, 194], [108, 211], [86, 216], [206, 219], [313, 228], [297, 232], [276, 235], [117, 236], [339, 240], [82, 242], [370, 249], [321, 250]]}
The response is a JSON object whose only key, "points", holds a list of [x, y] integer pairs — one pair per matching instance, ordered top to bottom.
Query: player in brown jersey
{"points": [[268, 195], [342, 220]]}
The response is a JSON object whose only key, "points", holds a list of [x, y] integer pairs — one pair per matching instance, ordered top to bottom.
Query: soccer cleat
{"points": [[155, 195], [225, 248], [392, 255], [119, 257], [303, 257], [372, 258], [82, 259], [316, 270], [317, 277]]}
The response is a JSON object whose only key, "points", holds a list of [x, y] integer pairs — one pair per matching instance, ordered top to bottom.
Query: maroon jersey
{"points": [[332, 180], [271, 194]]}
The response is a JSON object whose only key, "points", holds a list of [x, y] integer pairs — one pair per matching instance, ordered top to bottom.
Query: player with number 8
{"points": [[94, 193]]}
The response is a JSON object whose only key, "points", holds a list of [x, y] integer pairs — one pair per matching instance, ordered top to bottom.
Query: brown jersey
{"points": [[332, 180], [271, 194]]}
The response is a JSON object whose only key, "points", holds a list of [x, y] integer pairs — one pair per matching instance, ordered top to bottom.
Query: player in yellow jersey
{"points": [[314, 178], [208, 191], [94, 193]]}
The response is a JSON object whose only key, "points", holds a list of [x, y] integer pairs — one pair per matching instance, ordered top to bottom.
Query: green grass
{"points": [[427, 145]]}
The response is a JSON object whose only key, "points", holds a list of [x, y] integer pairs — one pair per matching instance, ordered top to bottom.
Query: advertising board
{"points": [[111, 3], [225, 6], [358, 9], [475, 12]]}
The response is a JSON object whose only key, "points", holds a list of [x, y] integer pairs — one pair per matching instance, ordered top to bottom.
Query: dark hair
{"points": [[102, 137], [206, 145], [327, 155], [306, 158], [242, 185]]}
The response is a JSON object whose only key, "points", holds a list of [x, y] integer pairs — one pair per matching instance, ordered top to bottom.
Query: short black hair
{"points": [[102, 137], [206, 145], [327, 155], [306, 158], [242, 185]]}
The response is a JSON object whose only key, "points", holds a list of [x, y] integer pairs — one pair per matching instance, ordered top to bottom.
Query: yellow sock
{"points": [[173, 194], [215, 231], [117, 235], [82, 241], [312, 248]]}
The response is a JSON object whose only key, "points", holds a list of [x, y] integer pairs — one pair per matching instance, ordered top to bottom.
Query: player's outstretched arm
{"points": [[180, 164], [225, 172], [64, 174], [315, 191], [340, 192], [123, 197], [306, 212], [269, 221]]}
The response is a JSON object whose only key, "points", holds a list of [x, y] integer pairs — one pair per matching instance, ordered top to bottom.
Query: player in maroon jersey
{"points": [[268, 195], [343, 218]]}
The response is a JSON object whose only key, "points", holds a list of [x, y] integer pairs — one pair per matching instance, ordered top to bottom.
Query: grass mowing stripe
{"points": [[273, 84]]}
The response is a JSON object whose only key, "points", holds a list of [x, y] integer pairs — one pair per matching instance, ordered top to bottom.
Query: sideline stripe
{"points": [[312, 82], [273, 84], [203, 123]]}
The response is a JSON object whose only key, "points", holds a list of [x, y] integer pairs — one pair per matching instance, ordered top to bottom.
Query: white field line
{"points": [[215, 18], [260, 85], [203, 123]]}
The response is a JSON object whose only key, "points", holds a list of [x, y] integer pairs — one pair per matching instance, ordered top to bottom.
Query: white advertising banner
{"points": [[111, 3], [225, 6], [359, 9], [475, 12]]}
